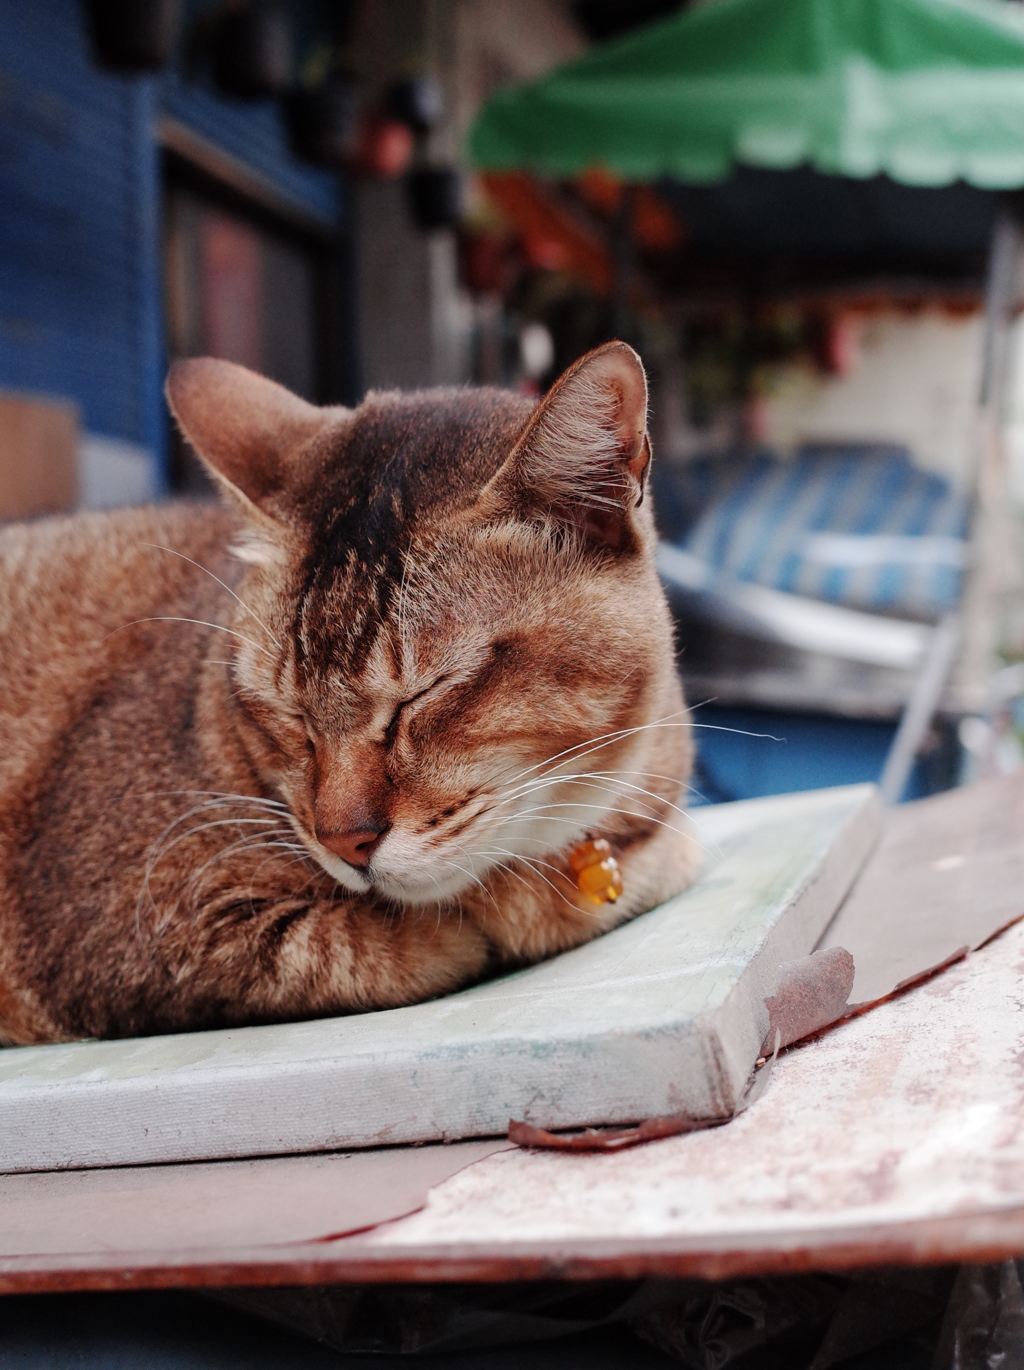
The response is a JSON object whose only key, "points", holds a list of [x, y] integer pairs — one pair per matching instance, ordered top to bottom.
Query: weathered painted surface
{"points": [[948, 873], [663, 1015], [913, 1112], [896, 1138]]}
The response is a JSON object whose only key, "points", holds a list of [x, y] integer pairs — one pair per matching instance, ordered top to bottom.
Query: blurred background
{"points": [[804, 213]]}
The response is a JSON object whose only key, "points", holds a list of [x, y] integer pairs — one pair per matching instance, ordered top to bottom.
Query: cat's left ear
{"points": [[251, 434], [584, 455]]}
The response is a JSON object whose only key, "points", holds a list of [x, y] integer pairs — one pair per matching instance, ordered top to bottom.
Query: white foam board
{"points": [[663, 1015]]}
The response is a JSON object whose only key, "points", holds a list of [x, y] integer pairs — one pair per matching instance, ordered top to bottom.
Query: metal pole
{"points": [[989, 573], [929, 685]]}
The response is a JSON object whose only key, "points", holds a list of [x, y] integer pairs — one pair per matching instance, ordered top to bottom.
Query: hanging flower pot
{"points": [[131, 36], [252, 52], [418, 103], [323, 123], [435, 197]]}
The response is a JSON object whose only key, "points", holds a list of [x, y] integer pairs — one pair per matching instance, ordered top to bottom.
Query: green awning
{"points": [[925, 91]]}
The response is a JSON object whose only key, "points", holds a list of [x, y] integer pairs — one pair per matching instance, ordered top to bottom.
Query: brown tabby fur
{"points": [[445, 624]]}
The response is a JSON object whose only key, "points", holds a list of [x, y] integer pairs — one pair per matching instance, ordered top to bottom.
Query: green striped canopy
{"points": [[924, 91]]}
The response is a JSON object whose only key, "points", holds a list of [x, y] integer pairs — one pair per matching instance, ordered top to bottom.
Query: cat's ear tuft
{"points": [[248, 430], [584, 456]]}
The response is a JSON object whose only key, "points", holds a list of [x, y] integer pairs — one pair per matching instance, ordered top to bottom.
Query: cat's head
{"points": [[451, 641]]}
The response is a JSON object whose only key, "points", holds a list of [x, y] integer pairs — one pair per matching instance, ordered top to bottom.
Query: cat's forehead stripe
{"points": [[403, 463]]}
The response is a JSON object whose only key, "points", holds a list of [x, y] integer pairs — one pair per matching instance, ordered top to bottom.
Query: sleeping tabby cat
{"points": [[331, 745]]}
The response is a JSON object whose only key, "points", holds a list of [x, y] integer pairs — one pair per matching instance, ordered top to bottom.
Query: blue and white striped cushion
{"points": [[855, 525]]}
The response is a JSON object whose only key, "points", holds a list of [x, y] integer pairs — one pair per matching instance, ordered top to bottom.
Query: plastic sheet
{"points": [[448, 1318], [888, 1319], [809, 1322], [984, 1324]]}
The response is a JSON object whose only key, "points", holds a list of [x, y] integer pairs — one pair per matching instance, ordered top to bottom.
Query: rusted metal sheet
{"points": [[810, 994], [911, 1113], [897, 1137]]}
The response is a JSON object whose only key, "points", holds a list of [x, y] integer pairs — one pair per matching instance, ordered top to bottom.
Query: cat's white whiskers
{"points": [[238, 599], [199, 622], [740, 732], [604, 738], [598, 743], [553, 775], [651, 775], [558, 776], [593, 779], [613, 791], [217, 794], [228, 802], [269, 811], [527, 814], [688, 814], [645, 815], [659, 822], [216, 823], [257, 842], [161, 847], [155, 854], [516, 856], [528, 861], [533, 861], [507, 870], [315, 871], [476, 879], [192, 881], [442, 898]]}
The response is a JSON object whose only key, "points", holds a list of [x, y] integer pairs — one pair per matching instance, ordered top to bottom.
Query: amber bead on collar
{"points": [[597, 872]]}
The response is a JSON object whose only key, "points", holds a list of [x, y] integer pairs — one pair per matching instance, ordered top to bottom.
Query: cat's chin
{"points": [[398, 889], [409, 890]]}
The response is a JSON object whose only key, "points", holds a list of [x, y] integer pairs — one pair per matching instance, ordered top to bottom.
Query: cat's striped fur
{"points": [[434, 618]]}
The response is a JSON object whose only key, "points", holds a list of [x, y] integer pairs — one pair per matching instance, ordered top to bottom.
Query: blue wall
{"points": [[80, 272], [746, 753]]}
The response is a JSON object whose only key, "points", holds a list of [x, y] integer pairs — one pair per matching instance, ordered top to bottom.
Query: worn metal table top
{"points": [[894, 1138]]}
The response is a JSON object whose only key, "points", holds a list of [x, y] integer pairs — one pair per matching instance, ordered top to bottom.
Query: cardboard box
{"points": [[38, 456]]}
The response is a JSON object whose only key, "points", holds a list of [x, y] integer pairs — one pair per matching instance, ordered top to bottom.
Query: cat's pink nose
{"points": [[355, 847]]}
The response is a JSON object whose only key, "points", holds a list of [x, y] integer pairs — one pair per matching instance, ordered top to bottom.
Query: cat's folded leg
{"points": [[353, 955]]}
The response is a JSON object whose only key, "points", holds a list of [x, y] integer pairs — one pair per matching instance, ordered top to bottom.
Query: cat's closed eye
{"points": [[406, 706]]}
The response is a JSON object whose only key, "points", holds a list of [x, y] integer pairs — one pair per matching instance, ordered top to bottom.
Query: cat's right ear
{"points": [[249, 432], [582, 459]]}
